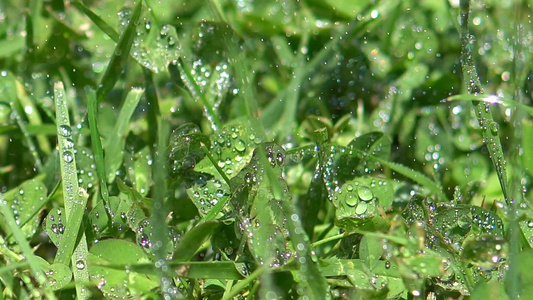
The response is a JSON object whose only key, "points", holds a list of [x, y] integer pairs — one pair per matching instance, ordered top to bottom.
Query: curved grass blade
{"points": [[106, 28], [121, 53], [197, 93], [491, 99], [92, 109], [489, 128], [114, 145], [407, 172], [75, 199], [193, 239]]}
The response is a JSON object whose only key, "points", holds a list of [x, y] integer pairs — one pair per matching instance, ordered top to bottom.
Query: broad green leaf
{"points": [[155, 45], [374, 143], [185, 149], [231, 149], [470, 167], [86, 168], [28, 199], [358, 200], [99, 221], [54, 225], [146, 238], [370, 250], [484, 251], [427, 265], [59, 275], [122, 282], [491, 290]]}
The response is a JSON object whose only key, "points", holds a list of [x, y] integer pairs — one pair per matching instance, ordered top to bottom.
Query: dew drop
{"points": [[64, 130], [240, 145], [68, 157], [365, 193], [351, 200], [361, 208], [80, 264]]}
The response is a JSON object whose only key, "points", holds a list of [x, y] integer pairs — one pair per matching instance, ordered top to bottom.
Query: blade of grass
{"points": [[106, 28], [120, 55], [242, 71], [197, 94], [492, 99], [92, 112], [483, 112], [27, 137], [114, 145], [407, 172], [75, 199], [159, 212], [193, 239], [25, 247], [193, 269], [241, 285]]}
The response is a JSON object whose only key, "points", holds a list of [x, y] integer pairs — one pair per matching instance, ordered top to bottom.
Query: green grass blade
{"points": [[106, 28], [12, 45], [120, 55], [242, 75], [197, 93], [491, 99], [92, 109], [483, 112], [27, 137], [114, 145], [407, 172], [75, 199], [159, 211], [193, 239], [25, 247], [243, 283]]}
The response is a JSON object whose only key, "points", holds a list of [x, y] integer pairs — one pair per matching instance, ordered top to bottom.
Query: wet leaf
{"points": [[374, 143], [358, 200], [26, 202], [54, 225], [119, 283]]}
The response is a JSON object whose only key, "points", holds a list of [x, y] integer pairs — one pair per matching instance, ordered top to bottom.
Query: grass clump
{"points": [[245, 149]]}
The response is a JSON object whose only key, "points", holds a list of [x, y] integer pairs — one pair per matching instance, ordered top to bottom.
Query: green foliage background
{"points": [[265, 149]]}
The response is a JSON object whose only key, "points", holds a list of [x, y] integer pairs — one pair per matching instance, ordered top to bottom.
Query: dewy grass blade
{"points": [[106, 28], [120, 55], [242, 75], [197, 93], [492, 99], [92, 109], [489, 128], [27, 137], [114, 145], [407, 172], [75, 199], [159, 212], [25, 247]]}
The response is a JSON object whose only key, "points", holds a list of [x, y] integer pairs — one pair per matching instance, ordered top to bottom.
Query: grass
{"points": [[239, 150]]}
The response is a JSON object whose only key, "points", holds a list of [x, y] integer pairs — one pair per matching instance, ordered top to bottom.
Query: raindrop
{"points": [[64, 130], [240, 146], [68, 157], [365, 193], [351, 201], [361, 208], [80, 264]]}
